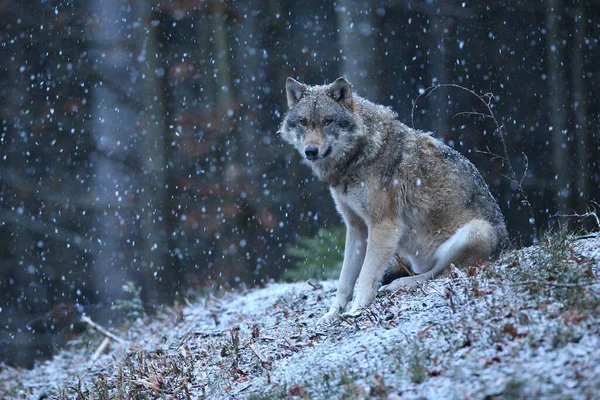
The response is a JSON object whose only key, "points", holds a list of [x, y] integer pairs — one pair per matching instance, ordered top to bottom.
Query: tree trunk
{"points": [[356, 23], [221, 57], [437, 72], [556, 95], [580, 109], [111, 117], [250, 136], [161, 281]]}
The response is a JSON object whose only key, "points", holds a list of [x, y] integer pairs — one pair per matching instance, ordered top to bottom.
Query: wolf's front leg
{"points": [[381, 245], [354, 254]]}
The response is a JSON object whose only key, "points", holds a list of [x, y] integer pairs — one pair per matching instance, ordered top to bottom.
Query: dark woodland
{"points": [[138, 138]]}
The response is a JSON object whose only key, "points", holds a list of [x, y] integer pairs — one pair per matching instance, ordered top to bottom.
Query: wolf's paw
{"points": [[405, 282], [391, 288], [353, 313], [330, 318]]}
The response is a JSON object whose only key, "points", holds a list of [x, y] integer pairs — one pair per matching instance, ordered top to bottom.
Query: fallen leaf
{"points": [[574, 317], [510, 330]]}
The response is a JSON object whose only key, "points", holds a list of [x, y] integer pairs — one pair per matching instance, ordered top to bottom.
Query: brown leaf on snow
{"points": [[577, 259], [589, 273], [480, 293], [574, 317], [523, 318], [510, 329], [425, 332], [493, 360], [238, 373], [151, 384], [298, 391]]}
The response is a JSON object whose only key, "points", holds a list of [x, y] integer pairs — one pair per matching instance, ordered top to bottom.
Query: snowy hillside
{"points": [[527, 326]]}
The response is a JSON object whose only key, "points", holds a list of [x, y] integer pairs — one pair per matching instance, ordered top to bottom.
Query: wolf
{"points": [[400, 191]]}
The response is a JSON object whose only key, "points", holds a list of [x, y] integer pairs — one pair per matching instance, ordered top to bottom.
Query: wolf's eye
{"points": [[303, 121], [327, 121]]}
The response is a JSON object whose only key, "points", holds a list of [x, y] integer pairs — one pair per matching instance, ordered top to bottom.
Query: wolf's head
{"points": [[321, 123]]}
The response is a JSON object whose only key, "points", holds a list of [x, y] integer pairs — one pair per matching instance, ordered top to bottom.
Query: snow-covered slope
{"points": [[527, 326]]}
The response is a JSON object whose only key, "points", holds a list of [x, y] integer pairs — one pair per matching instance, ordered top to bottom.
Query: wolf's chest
{"points": [[355, 198]]}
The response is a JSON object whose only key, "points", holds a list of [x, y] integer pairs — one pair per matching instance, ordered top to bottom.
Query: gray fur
{"points": [[399, 190]]}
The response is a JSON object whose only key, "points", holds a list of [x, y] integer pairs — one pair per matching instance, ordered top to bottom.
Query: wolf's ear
{"points": [[294, 91], [341, 91]]}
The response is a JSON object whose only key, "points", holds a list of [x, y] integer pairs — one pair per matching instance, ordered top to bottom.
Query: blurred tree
{"points": [[357, 27], [438, 72], [558, 94], [580, 107], [138, 138], [113, 183], [160, 279]]}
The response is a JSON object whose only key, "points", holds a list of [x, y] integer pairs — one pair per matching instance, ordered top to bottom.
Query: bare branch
{"points": [[460, 114], [493, 156], [526, 168], [589, 214], [553, 284], [87, 320], [100, 349], [263, 360]]}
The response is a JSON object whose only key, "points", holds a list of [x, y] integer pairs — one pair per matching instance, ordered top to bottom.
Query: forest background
{"points": [[138, 138]]}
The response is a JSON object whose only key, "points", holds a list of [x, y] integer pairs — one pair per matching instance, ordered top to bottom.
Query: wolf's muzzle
{"points": [[311, 152]]}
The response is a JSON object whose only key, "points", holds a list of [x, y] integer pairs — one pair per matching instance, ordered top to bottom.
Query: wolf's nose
{"points": [[312, 152]]}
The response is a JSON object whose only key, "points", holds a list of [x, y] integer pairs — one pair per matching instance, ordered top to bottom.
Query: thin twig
{"points": [[472, 113], [489, 153], [526, 168], [591, 213], [576, 238], [403, 265], [554, 284], [314, 285], [371, 315], [87, 320], [349, 320], [205, 335], [184, 338], [100, 349], [264, 361], [243, 388]]}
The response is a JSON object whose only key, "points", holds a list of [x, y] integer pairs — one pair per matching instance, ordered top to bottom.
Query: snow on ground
{"points": [[527, 326]]}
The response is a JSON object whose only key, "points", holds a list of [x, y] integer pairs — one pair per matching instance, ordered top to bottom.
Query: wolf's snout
{"points": [[311, 152]]}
